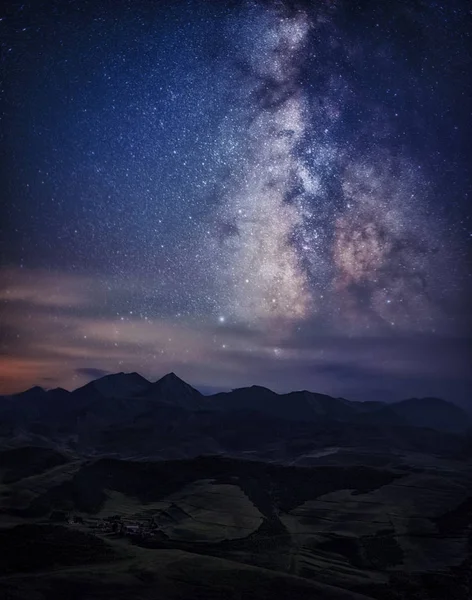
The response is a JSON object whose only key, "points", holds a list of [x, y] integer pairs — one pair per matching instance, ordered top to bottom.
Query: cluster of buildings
{"points": [[119, 526]]}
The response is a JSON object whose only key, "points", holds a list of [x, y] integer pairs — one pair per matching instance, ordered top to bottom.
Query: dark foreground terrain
{"points": [[344, 502], [216, 527]]}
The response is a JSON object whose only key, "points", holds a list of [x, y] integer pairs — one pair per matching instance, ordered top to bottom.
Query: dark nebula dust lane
{"points": [[242, 192]]}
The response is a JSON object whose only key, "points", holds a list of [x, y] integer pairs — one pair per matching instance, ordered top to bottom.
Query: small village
{"points": [[145, 528]]}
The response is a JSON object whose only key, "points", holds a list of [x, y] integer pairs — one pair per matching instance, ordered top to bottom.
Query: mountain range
{"points": [[124, 414]]}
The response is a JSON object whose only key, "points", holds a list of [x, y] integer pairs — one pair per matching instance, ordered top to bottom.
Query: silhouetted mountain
{"points": [[119, 385], [173, 391], [32, 392], [295, 406], [309, 406], [22, 409], [434, 413], [126, 415]]}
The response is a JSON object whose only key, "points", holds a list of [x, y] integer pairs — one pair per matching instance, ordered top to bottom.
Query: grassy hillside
{"points": [[18, 463], [216, 527], [34, 547]]}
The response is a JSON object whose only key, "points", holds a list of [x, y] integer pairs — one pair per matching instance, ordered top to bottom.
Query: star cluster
{"points": [[241, 191]]}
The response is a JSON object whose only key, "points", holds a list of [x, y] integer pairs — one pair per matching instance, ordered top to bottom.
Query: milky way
{"points": [[243, 192], [310, 224], [266, 279]]}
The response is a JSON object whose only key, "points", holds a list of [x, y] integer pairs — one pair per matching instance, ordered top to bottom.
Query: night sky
{"points": [[272, 193]]}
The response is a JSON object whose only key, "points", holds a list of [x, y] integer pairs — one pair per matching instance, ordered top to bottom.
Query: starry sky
{"points": [[243, 192]]}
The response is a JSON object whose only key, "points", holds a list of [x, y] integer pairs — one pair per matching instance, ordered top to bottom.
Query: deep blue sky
{"points": [[241, 192]]}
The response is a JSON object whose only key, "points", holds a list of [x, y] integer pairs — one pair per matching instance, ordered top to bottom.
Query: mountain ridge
{"points": [[170, 390], [126, 415]]}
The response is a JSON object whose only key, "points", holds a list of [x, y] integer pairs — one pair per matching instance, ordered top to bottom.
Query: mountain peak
{"points": [[171, 377], [171, 381], [118, 385], [36, 389], [253, 389], [58, 390], [32, 391], [176, 391], [427, 400], [434, 413]]}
